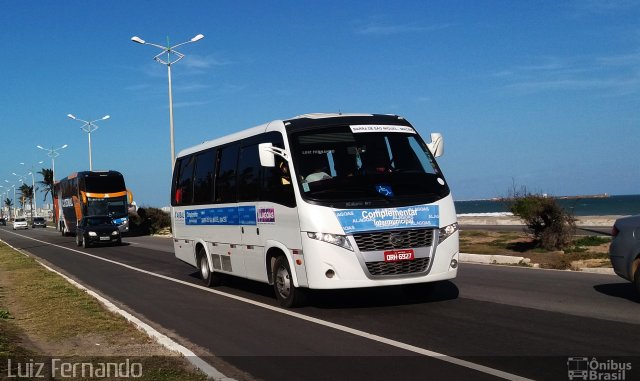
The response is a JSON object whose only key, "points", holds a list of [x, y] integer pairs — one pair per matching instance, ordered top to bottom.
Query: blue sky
{"points": [[544, 94]]}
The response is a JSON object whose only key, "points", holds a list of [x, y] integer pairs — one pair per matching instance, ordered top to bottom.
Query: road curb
{"points": [[488, 259], [494, 259], [211, 372]]}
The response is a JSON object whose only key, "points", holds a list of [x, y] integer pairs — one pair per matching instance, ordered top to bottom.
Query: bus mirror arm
{"points": [[437, 145], [267, 154]]}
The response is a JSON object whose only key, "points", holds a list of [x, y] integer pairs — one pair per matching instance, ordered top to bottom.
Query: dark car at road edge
{"points": [[625, 249]]}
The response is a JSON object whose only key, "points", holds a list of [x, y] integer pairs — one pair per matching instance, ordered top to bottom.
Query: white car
{"points": [[20, 223]]}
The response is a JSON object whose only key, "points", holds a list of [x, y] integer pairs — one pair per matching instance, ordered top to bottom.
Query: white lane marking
{"points": [[338, 327]]}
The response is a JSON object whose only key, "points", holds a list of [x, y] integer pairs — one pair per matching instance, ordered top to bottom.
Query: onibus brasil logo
{"points": [[583, 368]]}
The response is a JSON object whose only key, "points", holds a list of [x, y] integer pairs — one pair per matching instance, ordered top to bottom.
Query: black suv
{"points": [[39, 222]]}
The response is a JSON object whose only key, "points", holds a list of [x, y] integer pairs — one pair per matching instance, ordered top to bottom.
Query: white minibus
{"points": [[319, 201]]}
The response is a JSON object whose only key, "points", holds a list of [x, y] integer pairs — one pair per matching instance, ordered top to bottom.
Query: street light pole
{"points": [[169, 50], [89, 127], [53, 153], [33, 187], [14, 196]]}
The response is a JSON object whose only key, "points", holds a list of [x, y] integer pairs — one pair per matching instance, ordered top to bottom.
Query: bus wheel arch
{"points": [[207, 274], [282, 278]]}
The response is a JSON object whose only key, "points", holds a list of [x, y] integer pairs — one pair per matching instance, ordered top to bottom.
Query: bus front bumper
{"points": [[330, 267]]}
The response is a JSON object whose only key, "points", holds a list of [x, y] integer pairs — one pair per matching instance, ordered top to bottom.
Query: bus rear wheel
{"points": [[209, 277], [288, 295]]}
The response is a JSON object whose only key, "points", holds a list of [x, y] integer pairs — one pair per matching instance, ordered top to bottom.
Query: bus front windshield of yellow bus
{"points": [[114, 207]]}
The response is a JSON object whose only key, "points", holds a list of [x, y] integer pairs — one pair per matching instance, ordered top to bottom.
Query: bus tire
{"points": [[209, 277], [288, 295]]}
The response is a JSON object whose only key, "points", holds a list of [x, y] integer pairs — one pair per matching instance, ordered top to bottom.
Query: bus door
{"points": [[249, 172], [228, 236], [252, 243]]}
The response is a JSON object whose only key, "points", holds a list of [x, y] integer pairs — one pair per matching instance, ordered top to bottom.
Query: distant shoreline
{"points": [[601, 195], [576, 205], [509, 219]]}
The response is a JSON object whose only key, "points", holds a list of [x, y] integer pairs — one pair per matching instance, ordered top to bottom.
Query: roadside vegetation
{"points": [[148, 220], [550, 226], [580, 252], [42, 316]]}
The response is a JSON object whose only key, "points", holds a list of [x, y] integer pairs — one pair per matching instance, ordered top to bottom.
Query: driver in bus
{"points": [[285, 176]]}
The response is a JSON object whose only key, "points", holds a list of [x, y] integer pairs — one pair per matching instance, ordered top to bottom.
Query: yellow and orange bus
{"points": [[96, 193]]}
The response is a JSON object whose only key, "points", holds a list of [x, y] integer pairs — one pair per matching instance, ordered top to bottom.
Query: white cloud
{"points": [[386, 29], [615, 75]]}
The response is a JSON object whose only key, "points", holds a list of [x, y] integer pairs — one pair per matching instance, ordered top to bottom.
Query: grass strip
{"points": [[43, 316]]}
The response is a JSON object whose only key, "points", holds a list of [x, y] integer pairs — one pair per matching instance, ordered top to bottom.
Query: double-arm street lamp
{"points": [[172, 56], [89, 127], [53, 153]]}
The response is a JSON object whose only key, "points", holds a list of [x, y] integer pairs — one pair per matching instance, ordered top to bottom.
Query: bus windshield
{"points": [[341, 166], [104, 184], [114, 207]]}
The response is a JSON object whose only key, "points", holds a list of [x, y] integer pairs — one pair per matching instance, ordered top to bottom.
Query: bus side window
{"points": [[226, 174], [249, 174], [203, 177], [276, 184], [184, 187]]}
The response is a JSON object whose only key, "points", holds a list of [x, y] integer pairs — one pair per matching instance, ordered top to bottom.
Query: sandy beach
{"points": [[511, 220]]}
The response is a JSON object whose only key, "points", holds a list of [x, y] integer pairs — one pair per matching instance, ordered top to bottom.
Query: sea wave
{"points": [[494, 214]]}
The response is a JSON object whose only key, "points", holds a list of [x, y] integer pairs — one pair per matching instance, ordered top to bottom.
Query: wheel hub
{"points": [[283, 282]]}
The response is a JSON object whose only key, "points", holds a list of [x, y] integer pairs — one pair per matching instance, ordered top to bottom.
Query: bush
{"points": [[148, 221], [552, 227]]}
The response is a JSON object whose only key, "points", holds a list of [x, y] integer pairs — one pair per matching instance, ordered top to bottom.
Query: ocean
{"points": [[612, 205]]}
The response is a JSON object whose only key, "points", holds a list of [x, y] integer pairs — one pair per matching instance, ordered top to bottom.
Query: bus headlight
{"points": [[446, 231], [93, 234], [334, 239]]}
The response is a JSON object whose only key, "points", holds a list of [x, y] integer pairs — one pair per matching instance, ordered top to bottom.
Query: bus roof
{"points": [[299, 122], [90, 173]]}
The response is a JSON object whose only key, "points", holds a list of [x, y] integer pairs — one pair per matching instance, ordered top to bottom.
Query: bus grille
{"points": [[394, 239], [418, 265]]}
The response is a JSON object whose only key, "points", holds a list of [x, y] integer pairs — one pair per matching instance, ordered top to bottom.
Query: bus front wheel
{"points": [[209, 277], [288, 295]]}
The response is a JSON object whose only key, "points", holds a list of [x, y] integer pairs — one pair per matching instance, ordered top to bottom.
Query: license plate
{"points": [[104, 238], [398, 255]]}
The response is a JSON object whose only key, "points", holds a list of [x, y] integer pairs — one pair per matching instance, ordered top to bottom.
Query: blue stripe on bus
{"points": [[236, 215]]}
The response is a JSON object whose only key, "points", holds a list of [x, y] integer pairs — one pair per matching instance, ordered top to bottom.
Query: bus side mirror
{"points": [[437, 145], [267, 158]]}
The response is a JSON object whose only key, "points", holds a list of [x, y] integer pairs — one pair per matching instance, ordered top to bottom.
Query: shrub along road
{"points": [[489, 320]]}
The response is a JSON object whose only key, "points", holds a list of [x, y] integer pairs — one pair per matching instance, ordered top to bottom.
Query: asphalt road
{"points": [[491, 322]]}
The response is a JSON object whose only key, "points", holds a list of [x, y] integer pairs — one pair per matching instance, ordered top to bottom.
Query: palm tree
{"points": [[47, 182], [27, 194], [8, 204]]}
